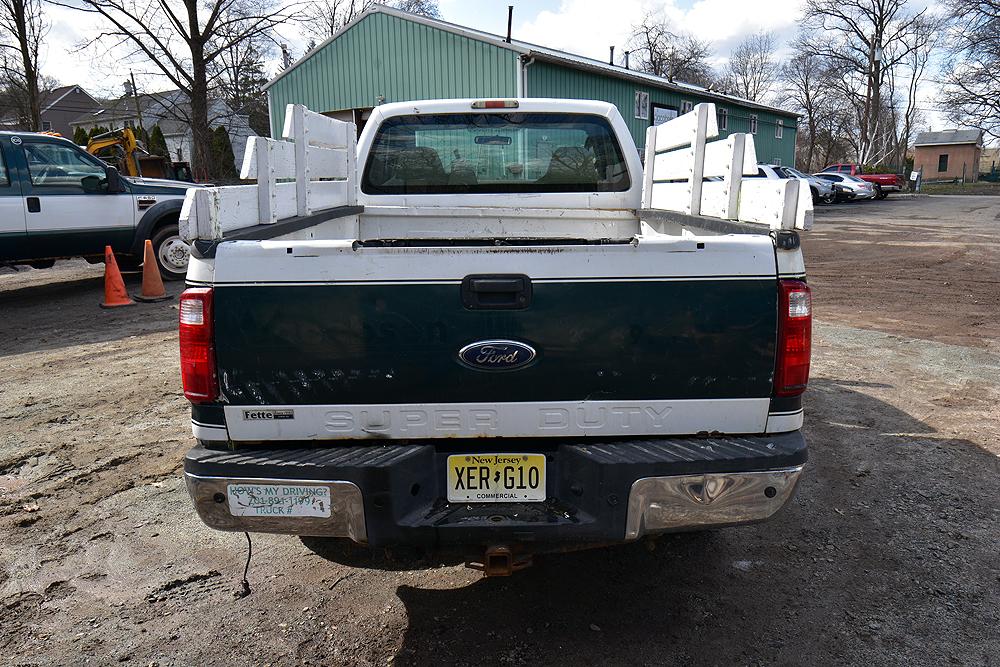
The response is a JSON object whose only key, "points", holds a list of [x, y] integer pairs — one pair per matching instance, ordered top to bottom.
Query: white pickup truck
{"points": [[486, 329]]}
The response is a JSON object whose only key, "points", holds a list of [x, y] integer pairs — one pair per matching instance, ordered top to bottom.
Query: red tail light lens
{"points": [[197, 346], [791, 373]]}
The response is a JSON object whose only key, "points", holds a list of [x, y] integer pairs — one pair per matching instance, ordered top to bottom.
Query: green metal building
{"points": [[386, 55]]}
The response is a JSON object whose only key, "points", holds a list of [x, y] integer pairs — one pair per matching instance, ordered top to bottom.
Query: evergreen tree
{"points": [[80, 137], [157, 145], [223, 159]]}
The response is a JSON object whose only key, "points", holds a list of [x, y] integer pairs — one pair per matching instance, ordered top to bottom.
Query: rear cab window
{"points": [[488, 153]]}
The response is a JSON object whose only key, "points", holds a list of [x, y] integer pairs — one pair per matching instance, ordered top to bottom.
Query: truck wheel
{"points": [[879, 194], [171, 252]]}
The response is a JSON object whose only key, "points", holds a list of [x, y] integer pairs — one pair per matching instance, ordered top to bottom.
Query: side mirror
{"points": [[114, 180]]}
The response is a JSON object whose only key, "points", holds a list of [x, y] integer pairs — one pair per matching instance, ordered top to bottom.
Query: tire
{"points": [[878, 192], [171, 253]]}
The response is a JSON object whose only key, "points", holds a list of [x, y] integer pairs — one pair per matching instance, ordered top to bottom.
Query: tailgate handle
{"points": [[496, 292]]}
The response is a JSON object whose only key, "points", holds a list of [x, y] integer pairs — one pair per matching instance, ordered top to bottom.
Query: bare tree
{"points": [[323, 18], [22, 29], [185, 40], [865, 40], [674, 56], [752, 71], [971, 71], [911, 73], [806, 88]]}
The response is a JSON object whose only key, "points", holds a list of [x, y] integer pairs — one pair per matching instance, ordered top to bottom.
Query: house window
{"points": [[641, 105], [686, 106], [723, 119], [753, 124], [46, 126], [779, 128], [777, 162], [943, 162]]}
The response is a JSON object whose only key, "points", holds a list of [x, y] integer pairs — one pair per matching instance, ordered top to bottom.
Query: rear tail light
{"points": [[197, 346], [791, 373]]}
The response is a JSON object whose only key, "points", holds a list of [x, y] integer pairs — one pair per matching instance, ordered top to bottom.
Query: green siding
{"points": [[400, 60], [549, 80]]}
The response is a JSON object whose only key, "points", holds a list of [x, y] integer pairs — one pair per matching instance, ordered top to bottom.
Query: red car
{"points": [[884, 183]]}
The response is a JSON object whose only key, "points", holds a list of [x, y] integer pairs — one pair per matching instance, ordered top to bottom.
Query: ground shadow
{"points": [[65, 313], [886, 556]]}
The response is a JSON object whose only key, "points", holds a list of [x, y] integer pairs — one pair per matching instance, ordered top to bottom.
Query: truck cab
{"points": [[58, 201]]}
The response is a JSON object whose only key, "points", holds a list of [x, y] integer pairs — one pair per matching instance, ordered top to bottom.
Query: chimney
{"points": [[510, 20], [286, 57], [611, 58], [626, 59], [128, 88]]}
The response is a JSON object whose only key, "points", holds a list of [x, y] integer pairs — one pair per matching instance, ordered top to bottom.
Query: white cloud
{"points": [[589, 27]]}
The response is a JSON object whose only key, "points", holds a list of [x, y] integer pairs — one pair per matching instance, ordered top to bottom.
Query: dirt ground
{"points": [[888, 555]]}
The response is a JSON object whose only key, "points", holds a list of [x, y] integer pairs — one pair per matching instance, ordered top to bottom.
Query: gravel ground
{"points": [[887, 556]]}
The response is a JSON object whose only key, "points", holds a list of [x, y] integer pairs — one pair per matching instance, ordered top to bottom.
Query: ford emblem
{"points": [[496, 355]]}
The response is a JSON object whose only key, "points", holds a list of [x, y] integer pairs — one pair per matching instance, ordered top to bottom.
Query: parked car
{"points": [[883, 183], [859, 188], [822, 189], [58, 201], [464, 389]]}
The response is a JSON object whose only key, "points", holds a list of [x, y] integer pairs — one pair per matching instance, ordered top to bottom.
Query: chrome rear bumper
{"points": [[683, 502], [347, 512]]}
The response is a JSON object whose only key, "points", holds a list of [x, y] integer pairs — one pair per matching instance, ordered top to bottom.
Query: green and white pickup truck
{"points": [[58, 201], [486, 329]]}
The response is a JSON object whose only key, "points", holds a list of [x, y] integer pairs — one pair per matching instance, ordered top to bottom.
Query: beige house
{"points": [[948, 155], [989, 160]]}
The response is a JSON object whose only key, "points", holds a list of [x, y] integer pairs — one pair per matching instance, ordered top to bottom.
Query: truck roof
{"points": [[524, 105]]}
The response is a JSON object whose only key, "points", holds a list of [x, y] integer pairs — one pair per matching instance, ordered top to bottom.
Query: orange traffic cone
{"points": [[152, 284], [114, 287]]}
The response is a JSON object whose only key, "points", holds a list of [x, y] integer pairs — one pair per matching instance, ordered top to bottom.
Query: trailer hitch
{"points": [[499, 561]]}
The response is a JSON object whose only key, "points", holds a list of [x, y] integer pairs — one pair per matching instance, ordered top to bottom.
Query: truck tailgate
{"points": [[331, 340]]}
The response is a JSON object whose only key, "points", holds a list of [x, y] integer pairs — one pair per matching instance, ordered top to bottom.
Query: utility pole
{"points": [[138, 111]]}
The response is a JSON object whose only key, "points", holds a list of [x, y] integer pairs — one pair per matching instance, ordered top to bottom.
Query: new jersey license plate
{"points": [[496, 478]]}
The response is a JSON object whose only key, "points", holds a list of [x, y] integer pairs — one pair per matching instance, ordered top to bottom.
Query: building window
{"points": [[641, 105], [686, 106], [723, 117], [753, 124], [46, 126], [779, 128], [777, 162], [943, 162]]}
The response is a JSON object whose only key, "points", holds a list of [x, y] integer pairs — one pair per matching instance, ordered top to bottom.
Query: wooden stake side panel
{"points": [[679, 159], [312, 168]]}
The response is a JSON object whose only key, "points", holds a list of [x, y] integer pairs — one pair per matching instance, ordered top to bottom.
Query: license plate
{"points": [[496, 478], [278, 500]]}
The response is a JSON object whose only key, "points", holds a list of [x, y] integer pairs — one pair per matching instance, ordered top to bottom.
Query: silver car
{"points": [[861, 189], [822, 190]]}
